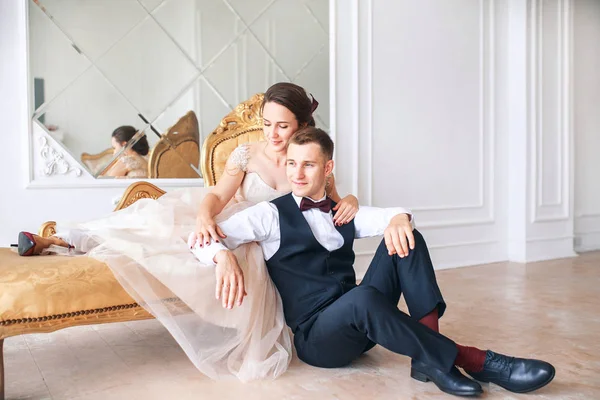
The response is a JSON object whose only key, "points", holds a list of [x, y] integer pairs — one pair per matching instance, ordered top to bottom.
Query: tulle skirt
{"points": [[145, 247]]}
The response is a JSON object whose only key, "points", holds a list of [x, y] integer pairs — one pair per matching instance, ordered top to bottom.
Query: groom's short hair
{"points": [[310, 134]]}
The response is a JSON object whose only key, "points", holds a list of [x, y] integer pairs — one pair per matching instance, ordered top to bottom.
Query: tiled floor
{"points": [[547, 310]]}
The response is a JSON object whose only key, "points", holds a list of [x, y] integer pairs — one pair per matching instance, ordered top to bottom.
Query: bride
{"points": [[145, 245]]}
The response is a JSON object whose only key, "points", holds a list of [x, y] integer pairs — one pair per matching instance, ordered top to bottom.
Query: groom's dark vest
{"points": [[307, 275]]}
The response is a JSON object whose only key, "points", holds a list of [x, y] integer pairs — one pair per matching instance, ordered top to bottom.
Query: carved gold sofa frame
{"points": [[48, 293]]}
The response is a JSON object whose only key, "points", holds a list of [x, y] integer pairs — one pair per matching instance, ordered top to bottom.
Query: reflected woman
{"points": [[133, 163]]}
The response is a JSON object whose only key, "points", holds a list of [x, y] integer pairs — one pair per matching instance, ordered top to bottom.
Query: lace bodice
{"points": [[240, 156], [137, 166], [255, 190]]}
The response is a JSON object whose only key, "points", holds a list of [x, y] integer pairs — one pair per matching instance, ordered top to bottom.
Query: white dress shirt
{"points": [[260, 223]]}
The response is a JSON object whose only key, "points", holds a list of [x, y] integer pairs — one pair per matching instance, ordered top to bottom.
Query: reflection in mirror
{"points": [[93, 26], [203, 28], [54, 63], [147, 68], [169, 69], [226, 73], [199, 96], [83, 123], [130, 148], [177, 153], [174, 155]]}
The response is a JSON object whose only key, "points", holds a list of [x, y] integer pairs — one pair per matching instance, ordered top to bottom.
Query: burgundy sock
{"points": [[431, 320], [471, 359]]}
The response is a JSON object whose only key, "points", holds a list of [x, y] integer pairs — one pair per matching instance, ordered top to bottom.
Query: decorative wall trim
{"points": [[333, 72], [355, 94], [369, 108], [362, 112], [487, 132], [54, 161], [558, 210], [588, 215], [458, 222], [549, 239], [587, 241], [439, 246], [540, 249], [448, 256]]}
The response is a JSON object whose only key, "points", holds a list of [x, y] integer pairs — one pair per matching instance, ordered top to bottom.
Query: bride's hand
{"points": [[346, 210], [206, 230]]}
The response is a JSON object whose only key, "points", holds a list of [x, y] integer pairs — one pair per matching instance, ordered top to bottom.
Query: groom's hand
{"points": [[399, 236], [230, 279]]}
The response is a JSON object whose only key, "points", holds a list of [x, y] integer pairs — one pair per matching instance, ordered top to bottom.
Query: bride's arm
{"points": [[118, 169], [331, 190], [219, 196], [346, 208]]}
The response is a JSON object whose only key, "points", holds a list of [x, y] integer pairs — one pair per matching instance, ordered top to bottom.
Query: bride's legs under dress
{"points": [[79, 239]]}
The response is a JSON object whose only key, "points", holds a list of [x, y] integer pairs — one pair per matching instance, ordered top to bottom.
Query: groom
{"points": [[310, 260]]}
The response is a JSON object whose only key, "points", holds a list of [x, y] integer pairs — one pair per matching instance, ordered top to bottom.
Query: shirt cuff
{"points": [[392, 212], [206, 254]]}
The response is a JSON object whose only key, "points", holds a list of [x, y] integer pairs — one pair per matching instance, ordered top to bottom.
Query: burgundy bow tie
{"points": [[323, 205]]}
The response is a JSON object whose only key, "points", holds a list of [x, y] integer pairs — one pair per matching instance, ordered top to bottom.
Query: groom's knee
{"points": [[420, 243], [365, 297]]}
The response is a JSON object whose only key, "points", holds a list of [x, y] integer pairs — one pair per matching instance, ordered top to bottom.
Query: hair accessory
{"points": [[314, 104]]}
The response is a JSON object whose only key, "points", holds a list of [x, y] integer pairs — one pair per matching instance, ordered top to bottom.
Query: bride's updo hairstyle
{"points": [[295, 99]]}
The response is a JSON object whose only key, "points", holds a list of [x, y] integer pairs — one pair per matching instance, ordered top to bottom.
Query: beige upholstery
{"points": [[177, 150], [97, 162], [80, 289], [46, 293]]}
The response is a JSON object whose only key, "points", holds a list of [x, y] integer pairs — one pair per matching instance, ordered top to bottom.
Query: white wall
{"points": [[586, 70], [419, 104], [449, 110], [464, 113], [540, 130], [20, 208]]}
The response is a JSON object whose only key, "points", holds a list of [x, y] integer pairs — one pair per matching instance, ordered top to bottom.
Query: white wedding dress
{"points": [[145, 245]]}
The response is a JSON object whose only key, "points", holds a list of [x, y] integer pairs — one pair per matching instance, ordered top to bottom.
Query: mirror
{"points": [[161, 74]]}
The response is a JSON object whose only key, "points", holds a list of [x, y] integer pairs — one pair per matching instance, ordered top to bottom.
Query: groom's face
{"points": [[307, 170]]}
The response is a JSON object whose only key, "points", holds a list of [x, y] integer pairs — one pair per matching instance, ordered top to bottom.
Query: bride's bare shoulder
{"points": [[255, 147], [256, 151]]}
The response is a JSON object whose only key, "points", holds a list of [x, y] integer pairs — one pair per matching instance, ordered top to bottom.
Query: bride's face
{"points": [[280, 125], [116, 145]]}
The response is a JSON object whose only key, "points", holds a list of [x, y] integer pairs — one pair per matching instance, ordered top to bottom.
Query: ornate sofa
{"points": [[47, 293]]}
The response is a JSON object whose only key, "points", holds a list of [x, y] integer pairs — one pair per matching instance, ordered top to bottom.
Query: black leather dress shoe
{"points": [[517, 375], [453, 382]]}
